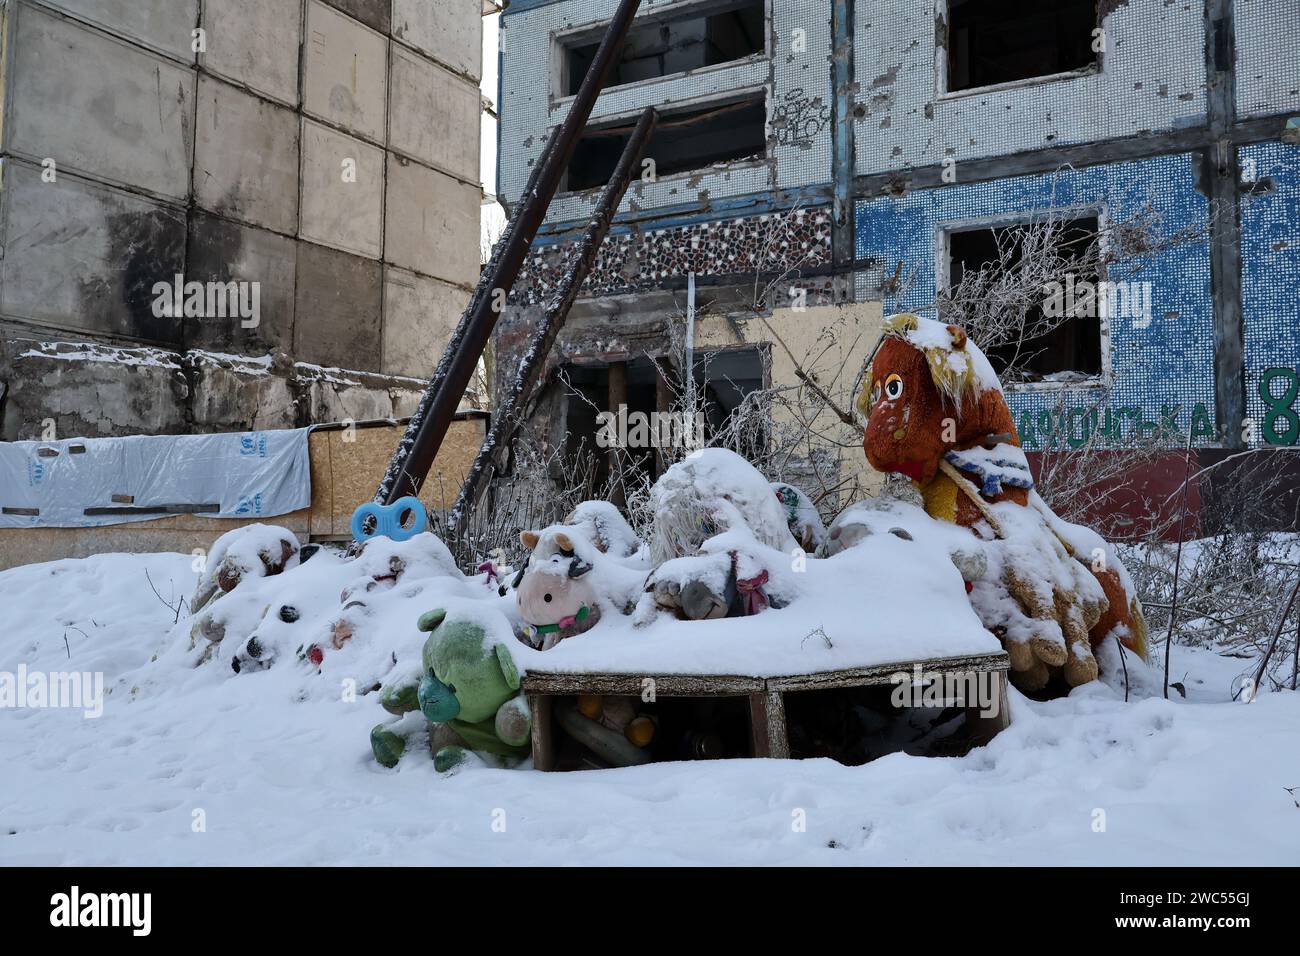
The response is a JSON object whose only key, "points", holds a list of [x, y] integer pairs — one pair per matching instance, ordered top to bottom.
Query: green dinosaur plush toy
{"points": [[468, 687]]}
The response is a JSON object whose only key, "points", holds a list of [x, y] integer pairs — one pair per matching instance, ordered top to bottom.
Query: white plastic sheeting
{"points": [[81, 482]]}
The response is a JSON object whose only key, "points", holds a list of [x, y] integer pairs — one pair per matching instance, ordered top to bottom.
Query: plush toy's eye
{"points": [[894, 387], [875, 393]]}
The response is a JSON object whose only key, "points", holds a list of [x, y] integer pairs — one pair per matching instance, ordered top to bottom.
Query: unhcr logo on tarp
{"points": [[254, 443], [249, 504]]}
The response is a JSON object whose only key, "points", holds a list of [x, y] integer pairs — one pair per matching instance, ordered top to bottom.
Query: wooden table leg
{"points": [[541, 707], [767, 724], [983, 726]]}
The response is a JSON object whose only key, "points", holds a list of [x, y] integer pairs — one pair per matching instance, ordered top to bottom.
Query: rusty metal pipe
{"points": [[508, 418], [428, 426]]}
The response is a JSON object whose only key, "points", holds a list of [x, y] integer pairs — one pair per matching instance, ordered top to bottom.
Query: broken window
{"points": [[998, 41], [659, 46], [682, 140], [1063, 339], [722, 381], [630, 405]]}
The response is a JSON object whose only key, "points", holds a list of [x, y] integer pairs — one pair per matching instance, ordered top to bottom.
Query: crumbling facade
{"points": [[866, 152], [231, 214]]}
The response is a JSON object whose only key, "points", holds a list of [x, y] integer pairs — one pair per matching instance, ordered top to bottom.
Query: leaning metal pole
{"points": [[507, 419], [428, 426]]}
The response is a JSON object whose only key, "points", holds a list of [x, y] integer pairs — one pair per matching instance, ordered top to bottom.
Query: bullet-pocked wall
{"points": [[1268, 56], [1145, 72], [792, 77], [323, 153], [763, 211], [1157, 366]]}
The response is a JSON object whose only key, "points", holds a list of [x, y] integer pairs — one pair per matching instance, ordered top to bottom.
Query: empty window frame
{"points": [[701, 35], [1001, 41], [683, 140], [1070, 348], [723, 379]]}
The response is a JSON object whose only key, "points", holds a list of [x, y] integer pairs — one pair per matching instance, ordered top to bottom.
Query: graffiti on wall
{"points": [[798, 118]]}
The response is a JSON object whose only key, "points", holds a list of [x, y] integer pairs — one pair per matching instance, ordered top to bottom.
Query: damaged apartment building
{"points": [[821, 163], [229, 215]]}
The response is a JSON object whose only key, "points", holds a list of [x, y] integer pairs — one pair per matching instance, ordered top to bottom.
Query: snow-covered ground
{"points": [[200, 766]]}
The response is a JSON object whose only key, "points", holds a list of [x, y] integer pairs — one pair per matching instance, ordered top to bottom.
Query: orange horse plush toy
{"points": [[1053, 591]]}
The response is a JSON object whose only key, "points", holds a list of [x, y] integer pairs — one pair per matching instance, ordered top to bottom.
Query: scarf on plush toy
{"points": [[1003, 464], [749, 591]]}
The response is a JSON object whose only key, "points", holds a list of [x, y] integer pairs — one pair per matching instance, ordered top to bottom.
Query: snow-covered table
{"points": [[764, 698]]}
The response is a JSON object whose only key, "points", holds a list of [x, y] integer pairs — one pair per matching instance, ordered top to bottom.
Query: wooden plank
{"points": [[322, 483], [883, 673], [634, 685], [984, 727], [543, 733], [778, 737], [760, 743]]}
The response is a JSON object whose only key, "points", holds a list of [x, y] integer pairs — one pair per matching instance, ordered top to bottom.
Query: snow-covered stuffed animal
{"points": [[935, 412], [801, 516], [721, 543], [576, 572], [555, 595], [468, 685]]}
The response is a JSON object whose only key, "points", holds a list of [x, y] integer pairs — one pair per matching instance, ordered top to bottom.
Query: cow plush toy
{"points": [[934, 411]]}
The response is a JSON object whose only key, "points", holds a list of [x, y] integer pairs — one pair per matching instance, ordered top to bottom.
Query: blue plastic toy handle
{"points": [[388, 519]]}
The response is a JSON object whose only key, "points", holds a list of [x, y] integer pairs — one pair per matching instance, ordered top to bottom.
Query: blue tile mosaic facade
{"points": [[1270, 289], [1161, 372]]}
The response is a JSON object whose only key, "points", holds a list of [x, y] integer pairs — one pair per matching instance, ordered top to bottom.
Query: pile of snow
{"points": [[713, 490], [200, 766]]}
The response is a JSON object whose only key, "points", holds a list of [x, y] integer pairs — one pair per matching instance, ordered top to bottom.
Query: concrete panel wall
{"points": [[376, 14], [164, 25], [447, 30], [255, 45], [345, 80], [426, 102], [99, 106], [531, 106], [246, 157], [224, 164], [345, 213], [429, 216], [224, 251], [87, 252], [343, 295], [419, 316], [232, 396]]}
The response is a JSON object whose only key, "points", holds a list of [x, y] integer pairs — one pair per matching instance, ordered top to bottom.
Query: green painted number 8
{"points": [[1280, 408]]}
